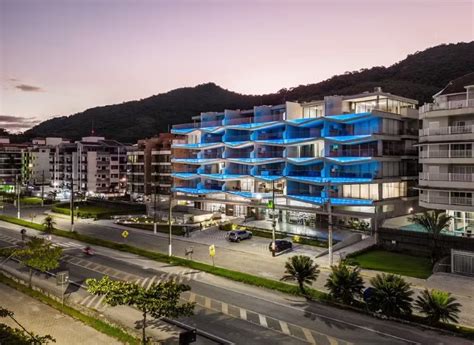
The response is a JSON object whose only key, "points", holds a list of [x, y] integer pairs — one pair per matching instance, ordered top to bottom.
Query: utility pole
{"points": [[42, 189], [18, 194], [72, 203], [329, 210], [154, 211], [273, 218], [170, 251]]}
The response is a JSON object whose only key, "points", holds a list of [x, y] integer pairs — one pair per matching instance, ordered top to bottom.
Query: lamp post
{"points": [[42, 189], [18, 194], [71, 205], [329, 210], [273, 218], [155, 225], [170, 250]]}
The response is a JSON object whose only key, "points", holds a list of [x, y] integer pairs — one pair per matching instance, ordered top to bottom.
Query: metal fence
{"points": [[462, 262]]}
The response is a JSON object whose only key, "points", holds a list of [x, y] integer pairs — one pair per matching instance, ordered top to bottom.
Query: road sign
{"points": [[125, 234], [212, 250], [62, 277]]}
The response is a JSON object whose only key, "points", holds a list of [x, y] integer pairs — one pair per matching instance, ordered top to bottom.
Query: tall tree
{"points": [[434, 222], [38, 254], [302, 269], [345, 283], [159, 300], [438, 306]]}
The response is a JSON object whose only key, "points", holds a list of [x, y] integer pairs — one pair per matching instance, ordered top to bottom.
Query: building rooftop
{"points": [[457, 85]]}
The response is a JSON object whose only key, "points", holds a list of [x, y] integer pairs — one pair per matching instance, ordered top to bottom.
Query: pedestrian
{"points": [[200, 226]]}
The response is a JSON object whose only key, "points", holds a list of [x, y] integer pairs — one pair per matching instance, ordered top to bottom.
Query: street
{"points": [[229, 310]]}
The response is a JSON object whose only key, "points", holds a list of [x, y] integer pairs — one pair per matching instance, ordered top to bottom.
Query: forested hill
{"points": [[419, 76]]}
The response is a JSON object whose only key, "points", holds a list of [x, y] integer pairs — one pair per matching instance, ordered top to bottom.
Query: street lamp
{"points": [[18, 192], [329, 210], [273, 219], [170, 250]]}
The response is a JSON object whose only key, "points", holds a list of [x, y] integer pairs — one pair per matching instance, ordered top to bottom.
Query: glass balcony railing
{"points": [[447, 105], [446, 130], [446, 154], [450, 177]]}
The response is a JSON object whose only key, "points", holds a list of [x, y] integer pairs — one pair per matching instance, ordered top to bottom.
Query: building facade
{"points": [[446, 153], [353, 155], [40, 160], [12, 163], [95, 165], [149, 167]]}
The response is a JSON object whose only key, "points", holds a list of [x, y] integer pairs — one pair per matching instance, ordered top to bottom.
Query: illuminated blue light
{"points": [[348, 117], [305, 121], [260, 125], [183, 130], [346, 138], [285, 141], [237, 143], [195, 146], [348, 159], [196, 160], [254, 160], [304, 160], [185, 176], [223, 176], [268, 178], [336, 180], [196, 191], [250, 195], [334, 201]]}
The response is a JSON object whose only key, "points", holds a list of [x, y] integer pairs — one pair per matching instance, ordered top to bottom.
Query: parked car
{"points": [[238, 235], [281, 245]]}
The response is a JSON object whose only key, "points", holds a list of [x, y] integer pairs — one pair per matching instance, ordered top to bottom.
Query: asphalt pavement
{"points": [[236, 312]]}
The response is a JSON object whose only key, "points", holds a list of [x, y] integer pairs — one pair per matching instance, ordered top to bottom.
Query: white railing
{"points": [[447, 105], [446, 130], [446, 154], [452, 177], [446, 200]]}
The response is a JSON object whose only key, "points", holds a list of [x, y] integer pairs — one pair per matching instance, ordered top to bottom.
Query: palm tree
{"points": [[434, 222], [48, 224], [302, 269], [345, 283], [391, 295], [438, 305]]}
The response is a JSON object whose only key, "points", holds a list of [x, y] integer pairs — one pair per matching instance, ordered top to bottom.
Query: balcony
{"points": [[450, 105], [354, 153], [462, 154], [448, 180], [445, 200]]}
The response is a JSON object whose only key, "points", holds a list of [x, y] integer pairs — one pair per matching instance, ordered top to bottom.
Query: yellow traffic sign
{"points": [[125, 234], [212, 250]]}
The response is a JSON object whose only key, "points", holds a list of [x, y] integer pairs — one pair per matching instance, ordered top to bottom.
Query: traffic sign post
{"points": [[125, 234], [212, 253], [62, 278]]}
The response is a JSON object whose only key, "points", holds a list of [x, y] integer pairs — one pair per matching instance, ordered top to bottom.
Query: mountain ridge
{"points": [[418, 76]]}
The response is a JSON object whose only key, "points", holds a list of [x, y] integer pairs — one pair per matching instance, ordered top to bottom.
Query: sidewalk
{"points": [[42, 319]]}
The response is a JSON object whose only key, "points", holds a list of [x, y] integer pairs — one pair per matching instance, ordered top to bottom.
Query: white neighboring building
{"points": [[446, 153], [40, 160]]}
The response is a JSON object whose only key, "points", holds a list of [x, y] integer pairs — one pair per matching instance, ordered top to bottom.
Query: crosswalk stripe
{"points": [[144, 282], [150, 283], [192, 297], [86, 299], [99, 302], [207, 302], [89, 304], [225, 308], [243, 314], [263, 320], [284, 327], [308, 335]]}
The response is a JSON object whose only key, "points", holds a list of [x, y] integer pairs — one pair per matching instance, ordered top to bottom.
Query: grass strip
{"points": [[230, 274], [99, 325]]}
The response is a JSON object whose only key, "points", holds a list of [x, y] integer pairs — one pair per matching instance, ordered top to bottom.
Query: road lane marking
{"points": [[150, 283], [142, 284], [192, 297], [84, 301], [207, 302], [89, 304], [225, 308], [243, 313], [263, 320], [284, 327], [309, 336]]}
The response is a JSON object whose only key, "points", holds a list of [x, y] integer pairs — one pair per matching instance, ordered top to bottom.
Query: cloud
{"points": [[28, 88], [17, 123]]}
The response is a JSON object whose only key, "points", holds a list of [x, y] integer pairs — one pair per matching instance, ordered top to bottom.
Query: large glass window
{"points": [[394, 190]]}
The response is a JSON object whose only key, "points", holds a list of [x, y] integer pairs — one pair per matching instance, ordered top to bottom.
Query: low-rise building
{"points": [[12, 163]]}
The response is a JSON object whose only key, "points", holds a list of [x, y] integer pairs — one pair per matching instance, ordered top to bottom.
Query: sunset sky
{"points": [[58, 57]]}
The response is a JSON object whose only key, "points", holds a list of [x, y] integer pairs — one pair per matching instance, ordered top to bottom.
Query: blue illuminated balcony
{"points": [[349, 118], [305, 121], [350, 138], [285, 142], [198, 146], [304, 160], [349, 160], [196, 161], [255, 161], [185, 176], [224, 177], [332, 180], [195, 191], [250, 195], [318, 200]]}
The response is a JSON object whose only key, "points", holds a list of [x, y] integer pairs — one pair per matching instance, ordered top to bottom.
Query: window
{"points": [[394, 190]]}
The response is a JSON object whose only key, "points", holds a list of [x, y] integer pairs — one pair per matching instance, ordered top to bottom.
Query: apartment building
{"points": [[446, 153], [353, 155], [12, 158], [40, 158], [95, 165], [149, 167]]}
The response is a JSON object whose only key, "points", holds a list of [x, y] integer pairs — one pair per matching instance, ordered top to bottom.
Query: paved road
{"points": [[240, 313]]}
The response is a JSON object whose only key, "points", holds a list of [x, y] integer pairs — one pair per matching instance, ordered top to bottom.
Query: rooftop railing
{"points": [[447, 105]]}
